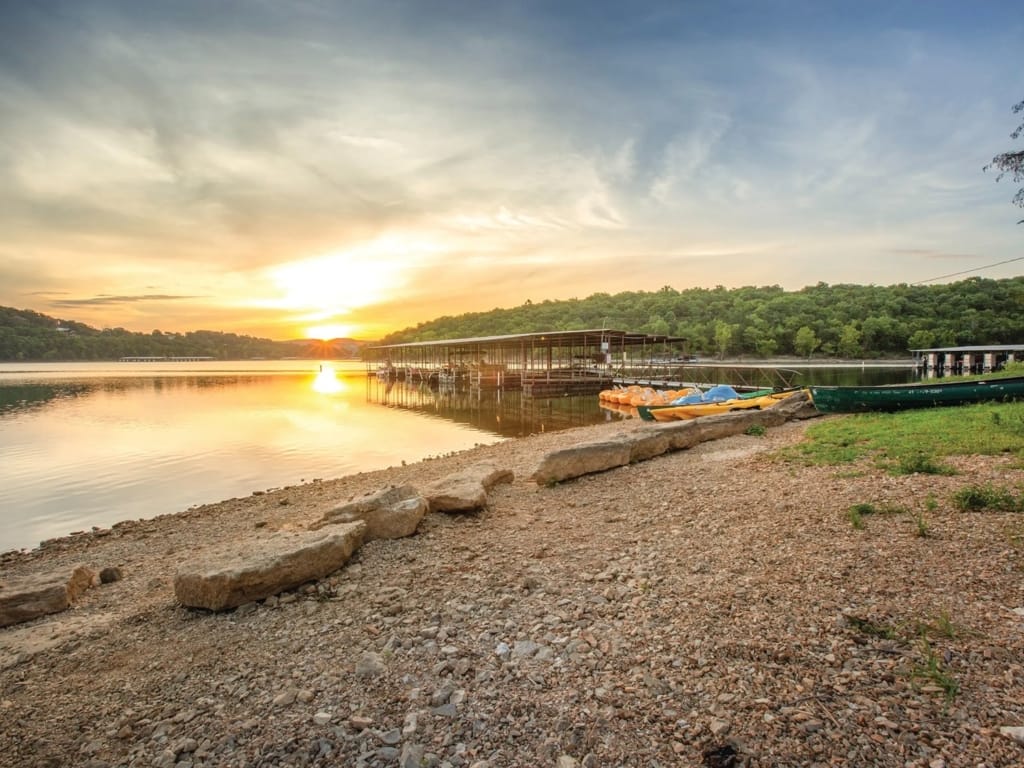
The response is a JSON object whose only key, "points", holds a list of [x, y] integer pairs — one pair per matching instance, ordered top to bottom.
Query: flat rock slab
{"points": [[652, 440], [581, 460], [466, 490], [389, 514], [244, 571], [36, 596]]}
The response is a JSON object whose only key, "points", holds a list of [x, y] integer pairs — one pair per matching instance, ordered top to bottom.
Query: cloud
{"points": [[105, 301]]}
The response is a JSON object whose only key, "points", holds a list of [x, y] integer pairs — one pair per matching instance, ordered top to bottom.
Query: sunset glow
{"points": [[368, 167]]}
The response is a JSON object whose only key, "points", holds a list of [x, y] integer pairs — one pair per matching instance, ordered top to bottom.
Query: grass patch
{"points": [[757, 430], [916, 440], [975, 498], [858, 512], [874, 629], [934, 671]]}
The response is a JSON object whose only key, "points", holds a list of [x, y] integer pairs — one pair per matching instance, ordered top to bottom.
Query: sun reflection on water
{"points": [[327, 382]]}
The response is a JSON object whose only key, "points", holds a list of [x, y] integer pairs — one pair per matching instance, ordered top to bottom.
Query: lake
{"points": [[91, 444]]}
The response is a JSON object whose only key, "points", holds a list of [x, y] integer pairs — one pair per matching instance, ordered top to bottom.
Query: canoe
{"points": [[899, 397], [696, 410]]}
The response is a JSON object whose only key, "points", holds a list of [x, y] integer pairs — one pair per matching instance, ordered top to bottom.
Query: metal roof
{"points": [[547, 338], [975, 348]]}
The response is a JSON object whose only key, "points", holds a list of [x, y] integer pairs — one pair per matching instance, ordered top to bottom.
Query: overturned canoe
{"points": [[899, 397]]}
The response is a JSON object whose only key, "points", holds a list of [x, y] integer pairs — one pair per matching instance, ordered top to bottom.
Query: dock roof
{"points": [[547, 338]]}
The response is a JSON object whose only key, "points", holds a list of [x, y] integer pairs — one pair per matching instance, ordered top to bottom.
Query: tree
{"points": [[1012, 162], [723, 337], [850, 340], [805, 341]]}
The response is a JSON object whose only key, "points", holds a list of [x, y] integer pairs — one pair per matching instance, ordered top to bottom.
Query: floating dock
{"points": [[538, 364]]}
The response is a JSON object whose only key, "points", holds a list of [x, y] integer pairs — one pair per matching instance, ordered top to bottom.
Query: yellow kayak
{"points": [[696, 410]]}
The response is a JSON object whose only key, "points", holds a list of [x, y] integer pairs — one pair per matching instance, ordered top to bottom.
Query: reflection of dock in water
{"points": [[505, 413]]}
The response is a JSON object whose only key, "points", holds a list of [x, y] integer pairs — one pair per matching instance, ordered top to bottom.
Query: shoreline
{"points": [[705, 599]]}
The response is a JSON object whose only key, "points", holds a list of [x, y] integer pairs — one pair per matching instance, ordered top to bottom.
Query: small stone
{"points": [[110, 574], [370, 665], [286, 697], [322, 718], [359, 722], [719, 726], [1014, 732], [391, 738], [565, 761]]}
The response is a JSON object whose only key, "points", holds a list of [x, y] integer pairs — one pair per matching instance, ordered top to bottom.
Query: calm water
{"points": [[91, 444]]}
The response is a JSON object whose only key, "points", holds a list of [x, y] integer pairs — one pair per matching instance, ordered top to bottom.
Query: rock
{"points": [[798, 406], [681, 434], [644, 445], [579, 460], [467, 490], [392, 513], [244, 571], [110, 574], [27, 599], [370, 665], [322, 718], [1014, 732], [566, 761]]}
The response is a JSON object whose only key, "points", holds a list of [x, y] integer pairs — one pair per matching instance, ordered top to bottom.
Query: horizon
{"points": [[350, 170]]}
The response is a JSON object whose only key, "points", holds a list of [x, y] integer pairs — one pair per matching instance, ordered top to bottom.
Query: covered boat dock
{"points": [[956, 361], [539, 364]]}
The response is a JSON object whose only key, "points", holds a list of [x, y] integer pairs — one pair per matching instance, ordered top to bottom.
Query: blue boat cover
{"points": [[717, 394]]}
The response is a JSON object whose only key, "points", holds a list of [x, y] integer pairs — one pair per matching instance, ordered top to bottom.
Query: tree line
{"points": [[841, 321], [30, 336]]}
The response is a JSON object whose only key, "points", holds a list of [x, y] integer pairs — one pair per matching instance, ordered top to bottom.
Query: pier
{"points": [[161, 359], [538, 364]]}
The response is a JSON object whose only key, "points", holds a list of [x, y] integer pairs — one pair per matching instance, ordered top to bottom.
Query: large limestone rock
{"points": [[798, 406], [653, 440], [645, 444], [568, 463], [466, 490], [392, 513], [230, 575], [36, 596]]}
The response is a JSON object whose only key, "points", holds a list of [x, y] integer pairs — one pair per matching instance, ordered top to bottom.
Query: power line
{"points": [[968, 271]]}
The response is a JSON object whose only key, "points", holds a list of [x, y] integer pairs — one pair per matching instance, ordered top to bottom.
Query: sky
{"points": [[327, 168]]}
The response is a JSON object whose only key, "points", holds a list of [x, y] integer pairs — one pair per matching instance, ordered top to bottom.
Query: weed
{"points": [[757, 430], [920, 463], [973, 498], [858, 512], [921, 529], [872, 628], [933, 670]]}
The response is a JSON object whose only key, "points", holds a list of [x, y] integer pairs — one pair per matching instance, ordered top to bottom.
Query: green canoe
{"points": [[899, 397]]}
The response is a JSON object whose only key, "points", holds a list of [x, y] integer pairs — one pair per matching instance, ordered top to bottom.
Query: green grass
{"points": [[757, 430], [914, 441], [974, 498], [857, 512], [933, 670]]}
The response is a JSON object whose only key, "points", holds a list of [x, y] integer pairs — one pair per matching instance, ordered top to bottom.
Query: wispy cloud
{"points": [[178, 153]]}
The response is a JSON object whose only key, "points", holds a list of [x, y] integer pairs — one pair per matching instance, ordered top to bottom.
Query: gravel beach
{"points": [[712, 606]]}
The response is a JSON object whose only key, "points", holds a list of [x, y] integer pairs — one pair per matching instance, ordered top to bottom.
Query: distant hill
{"points": [[848, 321], [30, 336]]}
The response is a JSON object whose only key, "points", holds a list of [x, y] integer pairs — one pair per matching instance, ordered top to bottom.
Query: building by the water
{"points": [[956, 361]]}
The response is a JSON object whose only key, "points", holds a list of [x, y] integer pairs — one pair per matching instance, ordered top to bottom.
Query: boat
{"points": [[899, 397], [752, 401]]}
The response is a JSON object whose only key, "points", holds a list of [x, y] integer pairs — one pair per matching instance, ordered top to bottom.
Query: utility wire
{"points": [[968, 271]]}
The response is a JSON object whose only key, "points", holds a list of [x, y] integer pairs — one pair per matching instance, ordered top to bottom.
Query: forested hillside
{"points": [[852, 321], [27, 335]]}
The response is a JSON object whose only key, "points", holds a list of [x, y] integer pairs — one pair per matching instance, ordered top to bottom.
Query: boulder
{"points": [[798, 406], [568, 463], [466, 490], [392, 513], [231, 575], [35, 596]]}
